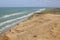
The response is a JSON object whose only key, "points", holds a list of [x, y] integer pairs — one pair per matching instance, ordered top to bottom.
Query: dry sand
{"points": [[37, 27]]}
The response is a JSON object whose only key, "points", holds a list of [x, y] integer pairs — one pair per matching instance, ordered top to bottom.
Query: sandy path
{"points": [[38, 27]]}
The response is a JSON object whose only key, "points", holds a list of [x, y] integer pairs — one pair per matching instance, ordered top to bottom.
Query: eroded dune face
{"points": [[37, 27]]}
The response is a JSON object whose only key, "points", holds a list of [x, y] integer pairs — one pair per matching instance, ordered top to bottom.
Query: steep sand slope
{"points": [[37, 27]]}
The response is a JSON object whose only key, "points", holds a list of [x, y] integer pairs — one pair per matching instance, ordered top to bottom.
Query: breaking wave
{"points": [[5, 16]]}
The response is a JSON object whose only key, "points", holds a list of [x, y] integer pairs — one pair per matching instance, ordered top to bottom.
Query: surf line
{"points": [[5, 16], [8, 21]]}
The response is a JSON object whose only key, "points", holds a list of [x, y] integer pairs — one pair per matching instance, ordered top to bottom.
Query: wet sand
{"points": [[37, 27]]}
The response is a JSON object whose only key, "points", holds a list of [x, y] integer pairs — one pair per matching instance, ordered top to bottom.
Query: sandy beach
{"points": [[39, 26]]}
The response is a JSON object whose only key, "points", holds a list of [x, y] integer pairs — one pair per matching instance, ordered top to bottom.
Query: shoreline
{"points": [[44, 26], [4, 29]]}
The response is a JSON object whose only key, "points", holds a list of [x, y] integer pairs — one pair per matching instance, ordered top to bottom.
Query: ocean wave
{"points": [[40, 10], [5, 16], [8, 21], [7, 27], [3, 28]]}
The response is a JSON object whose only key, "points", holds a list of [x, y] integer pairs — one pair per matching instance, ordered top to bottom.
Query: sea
{"points": [[11, 15]]}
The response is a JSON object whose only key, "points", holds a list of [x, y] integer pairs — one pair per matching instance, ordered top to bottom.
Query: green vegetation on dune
{"points": [[52, 11]]}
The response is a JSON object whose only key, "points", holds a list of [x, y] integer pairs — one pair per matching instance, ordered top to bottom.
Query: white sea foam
{"points": [[40, 10], [5, 16], [8, 21], [7, 27], [3, 28]]}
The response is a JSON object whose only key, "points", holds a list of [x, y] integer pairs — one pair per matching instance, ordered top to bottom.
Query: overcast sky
{"points": [[29, 3]]}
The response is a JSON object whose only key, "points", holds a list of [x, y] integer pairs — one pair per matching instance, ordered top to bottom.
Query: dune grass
{"points": [[52, 11]]}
